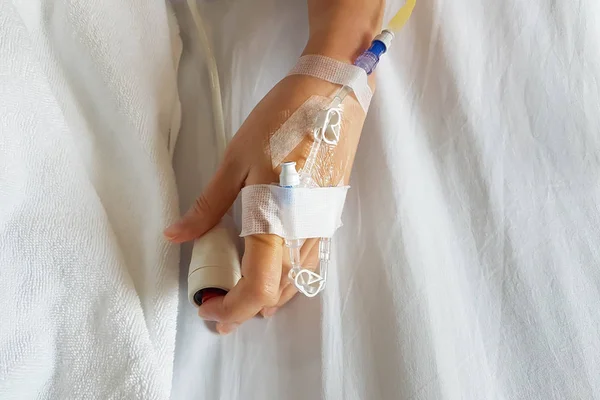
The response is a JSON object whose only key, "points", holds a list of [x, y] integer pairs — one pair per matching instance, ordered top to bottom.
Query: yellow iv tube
{"points": [[402, 16]]}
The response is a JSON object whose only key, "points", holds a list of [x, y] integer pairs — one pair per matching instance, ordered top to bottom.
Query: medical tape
{"points": [[337, 72], [299, 125], [292, 213]]}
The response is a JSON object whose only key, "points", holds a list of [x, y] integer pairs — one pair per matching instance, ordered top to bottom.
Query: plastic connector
{"points": [[370, 58], [289, 176], [215, 265]]}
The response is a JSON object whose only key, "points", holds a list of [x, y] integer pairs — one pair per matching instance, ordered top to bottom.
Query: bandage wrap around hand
{"points": [[337, 72], [292, 213]]}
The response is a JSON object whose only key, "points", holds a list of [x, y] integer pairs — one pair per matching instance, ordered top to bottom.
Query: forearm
{"points": [[342, 29]]}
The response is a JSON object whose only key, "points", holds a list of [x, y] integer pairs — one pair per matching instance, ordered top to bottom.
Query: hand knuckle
{"points": [[202, 206]]}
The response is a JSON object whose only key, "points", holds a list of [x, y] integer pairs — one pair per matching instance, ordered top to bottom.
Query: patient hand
{"points": [[264, 287]]}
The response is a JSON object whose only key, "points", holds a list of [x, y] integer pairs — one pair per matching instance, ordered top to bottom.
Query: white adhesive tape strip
{"points": [[337, 72], [292, 213]]}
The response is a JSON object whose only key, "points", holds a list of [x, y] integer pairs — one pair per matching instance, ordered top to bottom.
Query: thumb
{"points": [[210, 206]]}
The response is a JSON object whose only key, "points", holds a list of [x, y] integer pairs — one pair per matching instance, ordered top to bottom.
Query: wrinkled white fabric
{"points": [[88, 115], [292, 213], [468, 266]]}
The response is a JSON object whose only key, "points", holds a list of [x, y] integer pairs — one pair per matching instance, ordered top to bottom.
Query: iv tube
{"points": [[399, 20], [215, 86], [289, 178]]}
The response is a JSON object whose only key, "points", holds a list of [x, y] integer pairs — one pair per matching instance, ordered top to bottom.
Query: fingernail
{"points": [[269, 312], [225, 329]]}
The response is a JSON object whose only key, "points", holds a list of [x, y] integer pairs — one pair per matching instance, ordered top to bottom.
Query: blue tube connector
{"points": [[370, 58]]}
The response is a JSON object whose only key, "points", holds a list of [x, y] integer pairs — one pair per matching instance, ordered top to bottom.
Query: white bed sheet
{"points": [[468, 266]]}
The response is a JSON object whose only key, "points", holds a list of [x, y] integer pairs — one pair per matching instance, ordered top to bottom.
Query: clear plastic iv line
{"points": [[215, 85], [332, 116], [329, 120], [327, 129], [289, 178], [307, 282]]}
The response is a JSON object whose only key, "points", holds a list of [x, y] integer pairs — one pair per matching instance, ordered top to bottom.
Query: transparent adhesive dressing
{"points": [[327, 132]]}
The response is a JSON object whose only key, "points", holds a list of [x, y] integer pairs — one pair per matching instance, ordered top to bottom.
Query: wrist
{"points": [[344, 33], [340, 47], [345, 48]]}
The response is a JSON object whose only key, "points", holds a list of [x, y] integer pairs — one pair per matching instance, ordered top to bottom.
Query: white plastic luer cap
{"points": [[385, 37], [289, 176], [215, 262]]}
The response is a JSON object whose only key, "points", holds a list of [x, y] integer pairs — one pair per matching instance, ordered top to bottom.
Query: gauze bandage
{"points": [[337, 72], [292, 213]]}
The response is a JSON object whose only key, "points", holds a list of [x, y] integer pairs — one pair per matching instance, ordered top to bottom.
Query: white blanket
{"points": [[88, 286]]}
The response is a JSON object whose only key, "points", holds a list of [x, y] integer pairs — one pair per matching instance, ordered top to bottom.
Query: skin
{"points": [[339, 29]]}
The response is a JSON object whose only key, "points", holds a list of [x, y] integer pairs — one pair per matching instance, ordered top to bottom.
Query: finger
{"points": [[211, 205], [307, 249], [311, 261], [286, 263], [286, 266], [259, 287], [288, 293]]}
